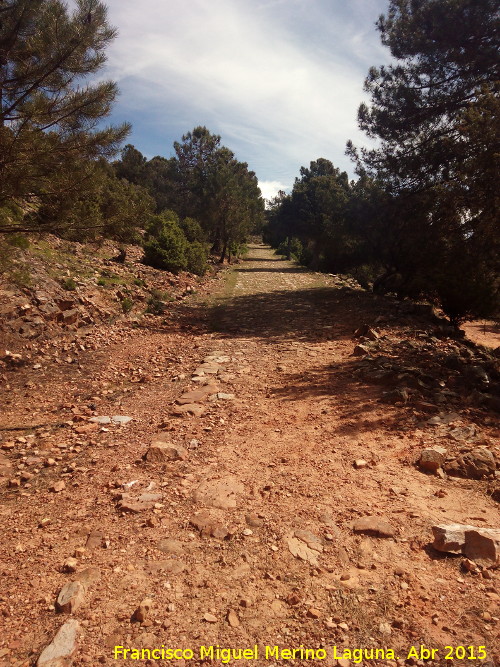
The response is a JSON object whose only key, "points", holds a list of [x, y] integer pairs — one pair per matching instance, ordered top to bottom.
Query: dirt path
{"points": [[240, 533]]}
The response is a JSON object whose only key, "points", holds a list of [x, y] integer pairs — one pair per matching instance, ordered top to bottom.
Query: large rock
{"points": [[65, 304], [49, 311], [68, 316], [398, 395], [162, 452], [432, 458], [479, 463], [476, 464], [449, 538], [479, 544], [483, 546], [71, 597], [142, 611], [60, 652]]}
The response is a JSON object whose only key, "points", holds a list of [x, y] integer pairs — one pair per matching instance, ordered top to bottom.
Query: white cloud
{"points": [[281, 82], [270, 189]]}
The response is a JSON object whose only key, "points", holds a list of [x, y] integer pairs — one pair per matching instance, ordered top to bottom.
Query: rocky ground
{"points": [[279, 460]]}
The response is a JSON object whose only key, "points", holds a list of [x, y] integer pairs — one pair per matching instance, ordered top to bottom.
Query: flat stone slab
{"points": [[222, 359], [207, 369], [198, 395], [221, 396], [193, 409], [102, 419], [115, 419], [120, 419], [443, 419], [221, 493], [136, 504], [373, 525], [94, 539], [312, 540], [305, 545], [171, 546], [89, 576], [60, 652]]}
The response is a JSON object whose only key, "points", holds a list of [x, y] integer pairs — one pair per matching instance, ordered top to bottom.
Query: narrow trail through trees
{"points": [[227, 512]]}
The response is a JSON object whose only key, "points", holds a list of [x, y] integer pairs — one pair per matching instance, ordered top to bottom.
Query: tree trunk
{"points": [[223, 254], [316, 255]]}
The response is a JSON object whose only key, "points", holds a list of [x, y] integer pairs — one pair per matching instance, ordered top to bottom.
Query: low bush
{"points": [[174, 246], [68, 284], [157, 302], [127, 304]]}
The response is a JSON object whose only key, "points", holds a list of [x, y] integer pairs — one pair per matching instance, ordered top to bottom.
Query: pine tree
{"points": [[435, 112], [50, 113], [217, 190]]}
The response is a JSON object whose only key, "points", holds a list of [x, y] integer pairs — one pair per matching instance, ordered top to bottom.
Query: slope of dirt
{"points": [[240, 529]]}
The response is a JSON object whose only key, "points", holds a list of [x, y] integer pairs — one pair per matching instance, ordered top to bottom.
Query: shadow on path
{"points": [[297, 269], [310, 314]]}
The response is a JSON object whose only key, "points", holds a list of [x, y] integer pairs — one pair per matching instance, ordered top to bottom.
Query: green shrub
{"points": [[11, 214], [192, 230], [165, 246], [237, 249], [296, 249], [196, 258], [365, 274], [21, 276], [109, 279], [68, 284], [162, 296], [157, 302], [127, 304], [155, 307]]}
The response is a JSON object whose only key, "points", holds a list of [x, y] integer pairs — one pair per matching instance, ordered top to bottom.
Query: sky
{"points": [[279, 80]]}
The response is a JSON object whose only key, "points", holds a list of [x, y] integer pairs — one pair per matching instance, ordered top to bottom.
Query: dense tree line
{"points": [[56, 172], [204, 182], [422, 220]]}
